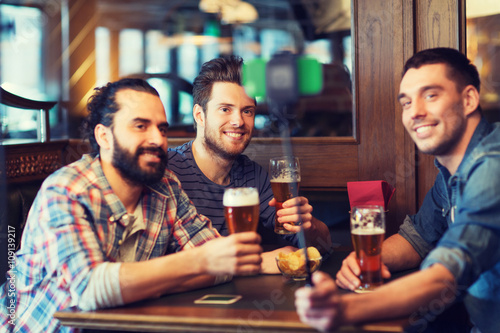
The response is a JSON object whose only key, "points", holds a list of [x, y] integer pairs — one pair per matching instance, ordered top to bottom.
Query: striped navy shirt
{"points": [[207, 195]]}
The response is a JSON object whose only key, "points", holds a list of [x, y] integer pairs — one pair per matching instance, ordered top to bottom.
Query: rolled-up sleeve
{"points": [[424, 229], [408, 231], [466, 251]]}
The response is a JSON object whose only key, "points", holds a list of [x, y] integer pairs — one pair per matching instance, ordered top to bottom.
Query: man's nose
{"points": [[418, 109], [236, 119], [157, 137]]}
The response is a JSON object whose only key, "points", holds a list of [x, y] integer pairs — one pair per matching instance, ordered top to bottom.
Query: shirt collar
{"points": [[482, 129], [113, 202]]}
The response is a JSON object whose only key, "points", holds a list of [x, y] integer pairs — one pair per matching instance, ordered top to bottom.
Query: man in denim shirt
{"points": [[455, 235]]}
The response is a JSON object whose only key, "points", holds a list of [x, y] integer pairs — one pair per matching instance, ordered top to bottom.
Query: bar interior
{"points": [[322, 81]]}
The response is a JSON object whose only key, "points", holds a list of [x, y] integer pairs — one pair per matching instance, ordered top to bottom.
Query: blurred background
{"points": [[60, 50]]}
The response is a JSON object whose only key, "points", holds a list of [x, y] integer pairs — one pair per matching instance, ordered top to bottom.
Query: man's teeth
{"points": [[423, 129], [234, 135]]}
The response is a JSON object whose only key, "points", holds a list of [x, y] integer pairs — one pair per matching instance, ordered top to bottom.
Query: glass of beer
{"points": [[285, 181], [241, 209], [367, 234]]}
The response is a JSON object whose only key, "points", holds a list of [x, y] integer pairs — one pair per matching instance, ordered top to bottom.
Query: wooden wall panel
{"points": [[438, 24], [384, 151], [406, 151], [324, 165]]}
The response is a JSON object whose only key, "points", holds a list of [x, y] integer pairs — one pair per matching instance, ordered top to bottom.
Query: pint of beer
{"points": [[285, 181], [241, 209], [367, 234]]}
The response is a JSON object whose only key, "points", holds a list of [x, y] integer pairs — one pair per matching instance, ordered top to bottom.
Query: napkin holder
{"points": [[373, 192]]}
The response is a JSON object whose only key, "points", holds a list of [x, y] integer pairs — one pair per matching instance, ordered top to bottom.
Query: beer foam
{"points": [[286, 179], [238, 197], [371, 231]]}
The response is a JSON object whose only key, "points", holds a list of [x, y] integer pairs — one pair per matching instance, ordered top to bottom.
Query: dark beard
{"points": [[453, 137], [218, 149], [128, 164]]}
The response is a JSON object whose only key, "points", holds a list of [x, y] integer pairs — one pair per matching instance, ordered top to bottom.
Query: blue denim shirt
{"points": [[458, 226]]}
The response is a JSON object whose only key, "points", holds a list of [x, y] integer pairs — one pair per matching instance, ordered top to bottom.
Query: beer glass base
{"points": [[283, 232], [298, 278], [365, 289]]}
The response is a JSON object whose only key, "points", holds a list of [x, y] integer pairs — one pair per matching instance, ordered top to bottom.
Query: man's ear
{"points": [[471, 99], [199, 115], [103, 136]]}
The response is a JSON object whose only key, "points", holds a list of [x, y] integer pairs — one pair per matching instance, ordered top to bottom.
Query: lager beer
{"points": [[285, 181], [283, 189], [241, 209], [367, 234], [368, 247]]}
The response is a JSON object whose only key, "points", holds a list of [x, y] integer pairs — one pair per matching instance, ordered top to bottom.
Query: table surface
{"points": [[267, 305]]}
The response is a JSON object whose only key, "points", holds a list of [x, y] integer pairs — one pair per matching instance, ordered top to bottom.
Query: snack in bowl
{"points": [[293, 264]]}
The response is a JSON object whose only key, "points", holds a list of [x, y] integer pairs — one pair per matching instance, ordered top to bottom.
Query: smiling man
{"points": [[224, 115], [434, 115], [115, 226], [454, 236]]}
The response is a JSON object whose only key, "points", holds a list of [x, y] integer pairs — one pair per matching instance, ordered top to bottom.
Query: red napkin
{"points": [[373, 192]]}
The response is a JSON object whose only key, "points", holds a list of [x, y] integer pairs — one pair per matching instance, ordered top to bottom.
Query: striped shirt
{"points": [[207, 195], [76, 223]]}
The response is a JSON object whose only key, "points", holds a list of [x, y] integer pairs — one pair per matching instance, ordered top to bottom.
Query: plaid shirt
{"points": [[76, 223]]}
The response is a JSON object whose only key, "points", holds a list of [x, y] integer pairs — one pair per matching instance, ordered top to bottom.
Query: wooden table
{"points": [[267, 305]]}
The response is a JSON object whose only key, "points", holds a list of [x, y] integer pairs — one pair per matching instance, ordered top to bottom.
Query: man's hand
{"points": [[298, 209], [294, 210], [237, 254], [269, 265], [348, 275], [319, 306]]}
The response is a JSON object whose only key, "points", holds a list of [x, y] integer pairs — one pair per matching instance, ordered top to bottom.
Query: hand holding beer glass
{"points": [[285, 181], [241, 209], [367, 234]]}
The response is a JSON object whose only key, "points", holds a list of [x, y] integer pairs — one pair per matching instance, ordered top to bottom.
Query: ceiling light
{"points": [[231, 11], [243, 12]]}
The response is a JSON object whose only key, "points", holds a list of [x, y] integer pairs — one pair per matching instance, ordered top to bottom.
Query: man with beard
{"points": [[224, 115], [115, 226], [454, 236]]}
